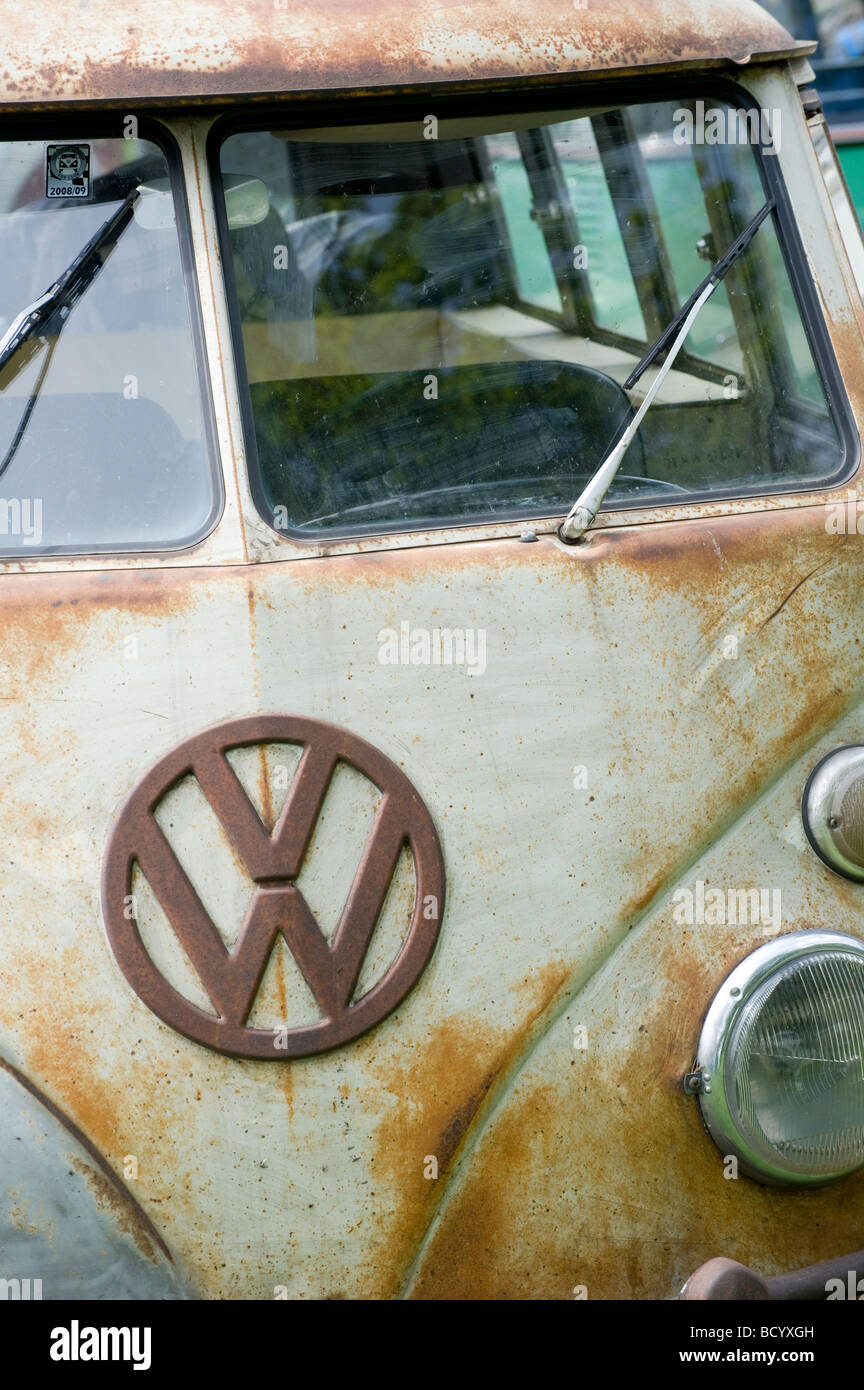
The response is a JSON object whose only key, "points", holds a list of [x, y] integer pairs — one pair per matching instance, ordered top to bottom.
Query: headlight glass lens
{"points": [[781, 1059], [795, 1078]]}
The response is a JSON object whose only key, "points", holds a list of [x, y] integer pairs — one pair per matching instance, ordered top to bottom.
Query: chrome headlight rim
{"points": [[820, 806], [719, 1030]]}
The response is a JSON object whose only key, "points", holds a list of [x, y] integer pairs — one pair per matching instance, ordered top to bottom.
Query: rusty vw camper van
{"points": [[432, 649]]}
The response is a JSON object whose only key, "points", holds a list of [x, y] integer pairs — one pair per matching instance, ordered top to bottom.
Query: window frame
{"points": [[517, 100], [80, 127], [583, 316]]}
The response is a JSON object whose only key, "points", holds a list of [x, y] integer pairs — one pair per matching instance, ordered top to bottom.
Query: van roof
{"points": [[117, 52]]}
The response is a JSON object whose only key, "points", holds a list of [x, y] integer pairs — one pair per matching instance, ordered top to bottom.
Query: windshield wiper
{"points": [[46, 315], [40, 324], [584, 512]]}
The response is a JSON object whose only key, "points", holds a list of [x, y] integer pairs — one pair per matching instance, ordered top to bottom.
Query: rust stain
{"points": [[208, 48], [653, 549], [145, 590], [793, 591], [251, 597], [50, 608], [43, 617], [264, 790], [265, 795], [637, 904], [62, 1022], [61, 1060], [286, 1074], [440, 1092], [583, 1173], [108, 1189], [627, 1192], [112, 1199], [18, 1217], [461, 1262]]}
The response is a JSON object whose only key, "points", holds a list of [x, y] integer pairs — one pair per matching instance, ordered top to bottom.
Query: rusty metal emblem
{"points": [[232, 977]]}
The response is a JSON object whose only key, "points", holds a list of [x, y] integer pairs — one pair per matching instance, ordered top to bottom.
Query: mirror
{"points": [[247, 202]]}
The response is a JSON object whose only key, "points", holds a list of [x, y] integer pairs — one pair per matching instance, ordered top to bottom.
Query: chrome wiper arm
{"points": [[717, 273], [47, 314], [584, 512]]}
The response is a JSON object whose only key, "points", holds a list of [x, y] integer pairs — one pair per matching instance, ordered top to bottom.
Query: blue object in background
{"points": [[849, 40]]}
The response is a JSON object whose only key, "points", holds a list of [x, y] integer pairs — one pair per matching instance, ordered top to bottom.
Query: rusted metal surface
{"points": [[124, 53], [273, 855], [463, 1147], [562, 1168], [628, 1194], [87, 1238]]}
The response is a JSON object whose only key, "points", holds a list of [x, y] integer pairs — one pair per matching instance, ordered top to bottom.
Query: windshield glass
{"points": [[438, 319], [113, 453]]}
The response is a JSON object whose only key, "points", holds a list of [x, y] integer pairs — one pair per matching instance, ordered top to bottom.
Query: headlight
{"points": [[833, 811], [781, 1056]]}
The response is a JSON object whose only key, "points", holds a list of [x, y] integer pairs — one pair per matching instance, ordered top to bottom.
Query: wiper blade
{"points": [[717, 272], [46, 316], [584, 512]]}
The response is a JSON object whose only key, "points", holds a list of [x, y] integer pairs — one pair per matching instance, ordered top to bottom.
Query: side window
{"points": [[590, 182], [677, 183], [531, 267], [437, 331], [103, 445]]}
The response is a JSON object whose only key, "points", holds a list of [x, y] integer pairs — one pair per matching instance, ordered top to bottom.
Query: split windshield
{"points": [[438, 319], [102, 431]]}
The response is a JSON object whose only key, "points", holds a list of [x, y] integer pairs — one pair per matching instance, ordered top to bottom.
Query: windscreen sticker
{"points": [[68, 171]]}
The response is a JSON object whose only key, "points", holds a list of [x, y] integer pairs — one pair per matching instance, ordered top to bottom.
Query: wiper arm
{"points": [[717, 273], [46, 316], [39, 325], [584, 512]]}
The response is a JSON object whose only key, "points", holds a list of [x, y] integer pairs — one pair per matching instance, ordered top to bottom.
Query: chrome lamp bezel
{"points": [[717, 1030]]}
